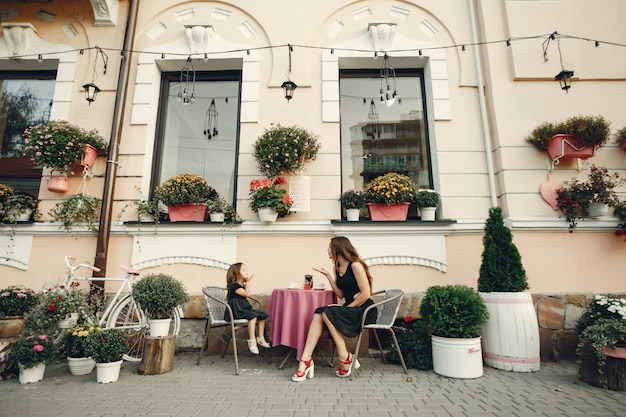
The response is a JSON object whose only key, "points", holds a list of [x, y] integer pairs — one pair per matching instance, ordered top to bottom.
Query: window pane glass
{"points": [[25, 99], [201, 138], [377, 138]]}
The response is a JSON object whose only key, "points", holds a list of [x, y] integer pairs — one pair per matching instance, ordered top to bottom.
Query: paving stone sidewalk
{"points": [[262, 390]]}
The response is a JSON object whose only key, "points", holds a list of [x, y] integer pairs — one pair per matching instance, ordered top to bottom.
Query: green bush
{"points": [[159, 294], [455, 311], [415, 345], [106, 346]]}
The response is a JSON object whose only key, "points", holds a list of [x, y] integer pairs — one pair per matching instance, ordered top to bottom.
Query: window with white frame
{"points": [[25, 100], [201, 137], [377, 137]]}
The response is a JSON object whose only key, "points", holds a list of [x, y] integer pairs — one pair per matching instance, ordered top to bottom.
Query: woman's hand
{"points": [[323, 272]]}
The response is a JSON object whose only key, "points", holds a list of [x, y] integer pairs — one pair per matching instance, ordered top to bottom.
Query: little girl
{"points": [[237, 279]]}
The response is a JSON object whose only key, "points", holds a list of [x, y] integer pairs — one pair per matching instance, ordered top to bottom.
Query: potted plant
{"points": [[576, 137], [620, 137], [59, 144], [285, 150], [185, 196], [388, 196], [268, 198], [590, 198], [352, 201], [427, 201], [19, 207], [218, 207], [77, 210], [620, 213], [158, 295], [15, 302], [61, 307], [453, 315], [510, 337], [415, 344], [74, 348], [107, 348], [601, 349], [32, 353]]}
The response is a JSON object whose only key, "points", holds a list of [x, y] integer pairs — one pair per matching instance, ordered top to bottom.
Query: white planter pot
{"points": [[598, 210], [428, 214], [267, 215], [352, 215], [14, 216], [216, 217], [68, 322], [159, 327], [510, 338], [457, 358], [80, 366], [108, 372], [34, 374]]}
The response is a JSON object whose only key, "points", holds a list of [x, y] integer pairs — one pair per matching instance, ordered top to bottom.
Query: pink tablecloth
{"points": [[291, 312]]}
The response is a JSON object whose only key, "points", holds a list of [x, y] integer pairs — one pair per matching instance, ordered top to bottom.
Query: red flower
{"points": [[280, 181], [52, 307], [409, 319]]}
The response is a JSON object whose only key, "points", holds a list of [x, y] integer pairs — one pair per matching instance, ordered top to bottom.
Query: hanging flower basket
{"points": [[563, 146], [57, 183]]}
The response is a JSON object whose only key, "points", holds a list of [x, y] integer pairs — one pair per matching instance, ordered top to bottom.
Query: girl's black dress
{"points": [[242, 309], [348, 319]]}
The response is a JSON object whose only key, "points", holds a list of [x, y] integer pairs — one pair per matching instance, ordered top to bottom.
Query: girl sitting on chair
{"points": [[237, 279]]}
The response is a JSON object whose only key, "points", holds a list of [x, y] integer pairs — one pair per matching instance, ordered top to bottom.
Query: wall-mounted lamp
{"points": [[289, 86]]}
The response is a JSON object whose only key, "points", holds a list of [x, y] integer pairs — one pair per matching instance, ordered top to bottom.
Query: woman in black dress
{"points": [[237, 279], [353, 283]]}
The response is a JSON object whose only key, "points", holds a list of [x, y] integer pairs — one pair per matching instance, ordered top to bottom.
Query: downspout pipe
{"points": [[483, 106], [104, 228]]}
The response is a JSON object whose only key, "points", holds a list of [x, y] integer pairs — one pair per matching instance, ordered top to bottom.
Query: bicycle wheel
{"points": [[128, 317]]}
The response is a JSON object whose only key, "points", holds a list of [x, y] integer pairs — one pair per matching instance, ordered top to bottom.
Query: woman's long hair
{"points": [[340, 245], [232, 274]]}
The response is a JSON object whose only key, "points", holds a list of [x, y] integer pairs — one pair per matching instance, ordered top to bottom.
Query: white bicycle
{"points": [[121, 312]]}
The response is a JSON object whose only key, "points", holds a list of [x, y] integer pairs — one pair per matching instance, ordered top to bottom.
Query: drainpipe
{"points": [[483, 106], [104, 228]]}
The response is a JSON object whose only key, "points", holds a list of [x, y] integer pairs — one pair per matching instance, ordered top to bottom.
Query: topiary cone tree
{"points": [[501, 269], [510, 338]]}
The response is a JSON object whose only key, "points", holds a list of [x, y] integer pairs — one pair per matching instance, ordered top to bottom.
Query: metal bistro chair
{"points": [[215, 298], [387, 311]]}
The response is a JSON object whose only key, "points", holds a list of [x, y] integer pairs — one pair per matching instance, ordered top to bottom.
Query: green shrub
{"points": [[455, 311]]}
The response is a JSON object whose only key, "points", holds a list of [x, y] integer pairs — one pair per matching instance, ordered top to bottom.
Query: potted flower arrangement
{"points": [[576, 137], [58, 145], [284, 150], [267, 195], [185, 196], [388, 196], [579, 199], [352, 201], [427, 201], [19, 207], [77, 210], [220, 210], [620, 213], [158, 295], [15, 302], [61, 307], [453, 315], [510, 337], [74, 346], [107, 348], [601, 348], [32, 354]]}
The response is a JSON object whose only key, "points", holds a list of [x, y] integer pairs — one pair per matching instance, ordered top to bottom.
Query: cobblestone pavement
{"points": [[212, 389]]}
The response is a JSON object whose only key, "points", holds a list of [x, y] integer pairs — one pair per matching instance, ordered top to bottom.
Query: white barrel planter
{"points": [[510, 338], [457, 358]]}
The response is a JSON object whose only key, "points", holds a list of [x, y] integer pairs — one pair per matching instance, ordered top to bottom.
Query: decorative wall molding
{"points": [[105, 12], [18, 37]]}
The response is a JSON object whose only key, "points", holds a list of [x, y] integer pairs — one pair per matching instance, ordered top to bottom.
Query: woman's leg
{"points": [[315, 331], [340, 342]]}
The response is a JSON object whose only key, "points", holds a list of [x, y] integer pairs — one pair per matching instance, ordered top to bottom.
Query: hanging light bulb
{"points": [[187, 86], [388, 91], [372, 129]]}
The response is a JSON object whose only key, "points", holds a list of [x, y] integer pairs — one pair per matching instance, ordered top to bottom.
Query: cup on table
{"points": [[308, 282], [293, 286], [319, 286]]}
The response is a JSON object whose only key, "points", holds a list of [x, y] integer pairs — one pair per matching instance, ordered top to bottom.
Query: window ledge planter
{"points": [[565, 146]]}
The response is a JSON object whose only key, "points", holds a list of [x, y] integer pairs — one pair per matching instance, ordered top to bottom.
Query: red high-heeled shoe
{"points": [[309, 371], [344, 373]]}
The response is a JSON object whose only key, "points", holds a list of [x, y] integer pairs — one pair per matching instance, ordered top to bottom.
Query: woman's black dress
{"points": [[242, 309], [348, 319]]}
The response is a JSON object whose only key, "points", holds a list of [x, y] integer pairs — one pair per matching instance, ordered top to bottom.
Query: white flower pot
{"points": [[598, 210], [428, 214], [267, 215], [352, 215], [15, 216], [217, 217], [68, 322], [159, 327], [457, 358], [81, 366], [108, 372], [34, 374]]}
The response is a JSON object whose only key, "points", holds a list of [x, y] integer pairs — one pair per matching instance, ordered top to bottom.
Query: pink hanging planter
{"points": [[563, 146], [90, 155], [57, 184]]}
